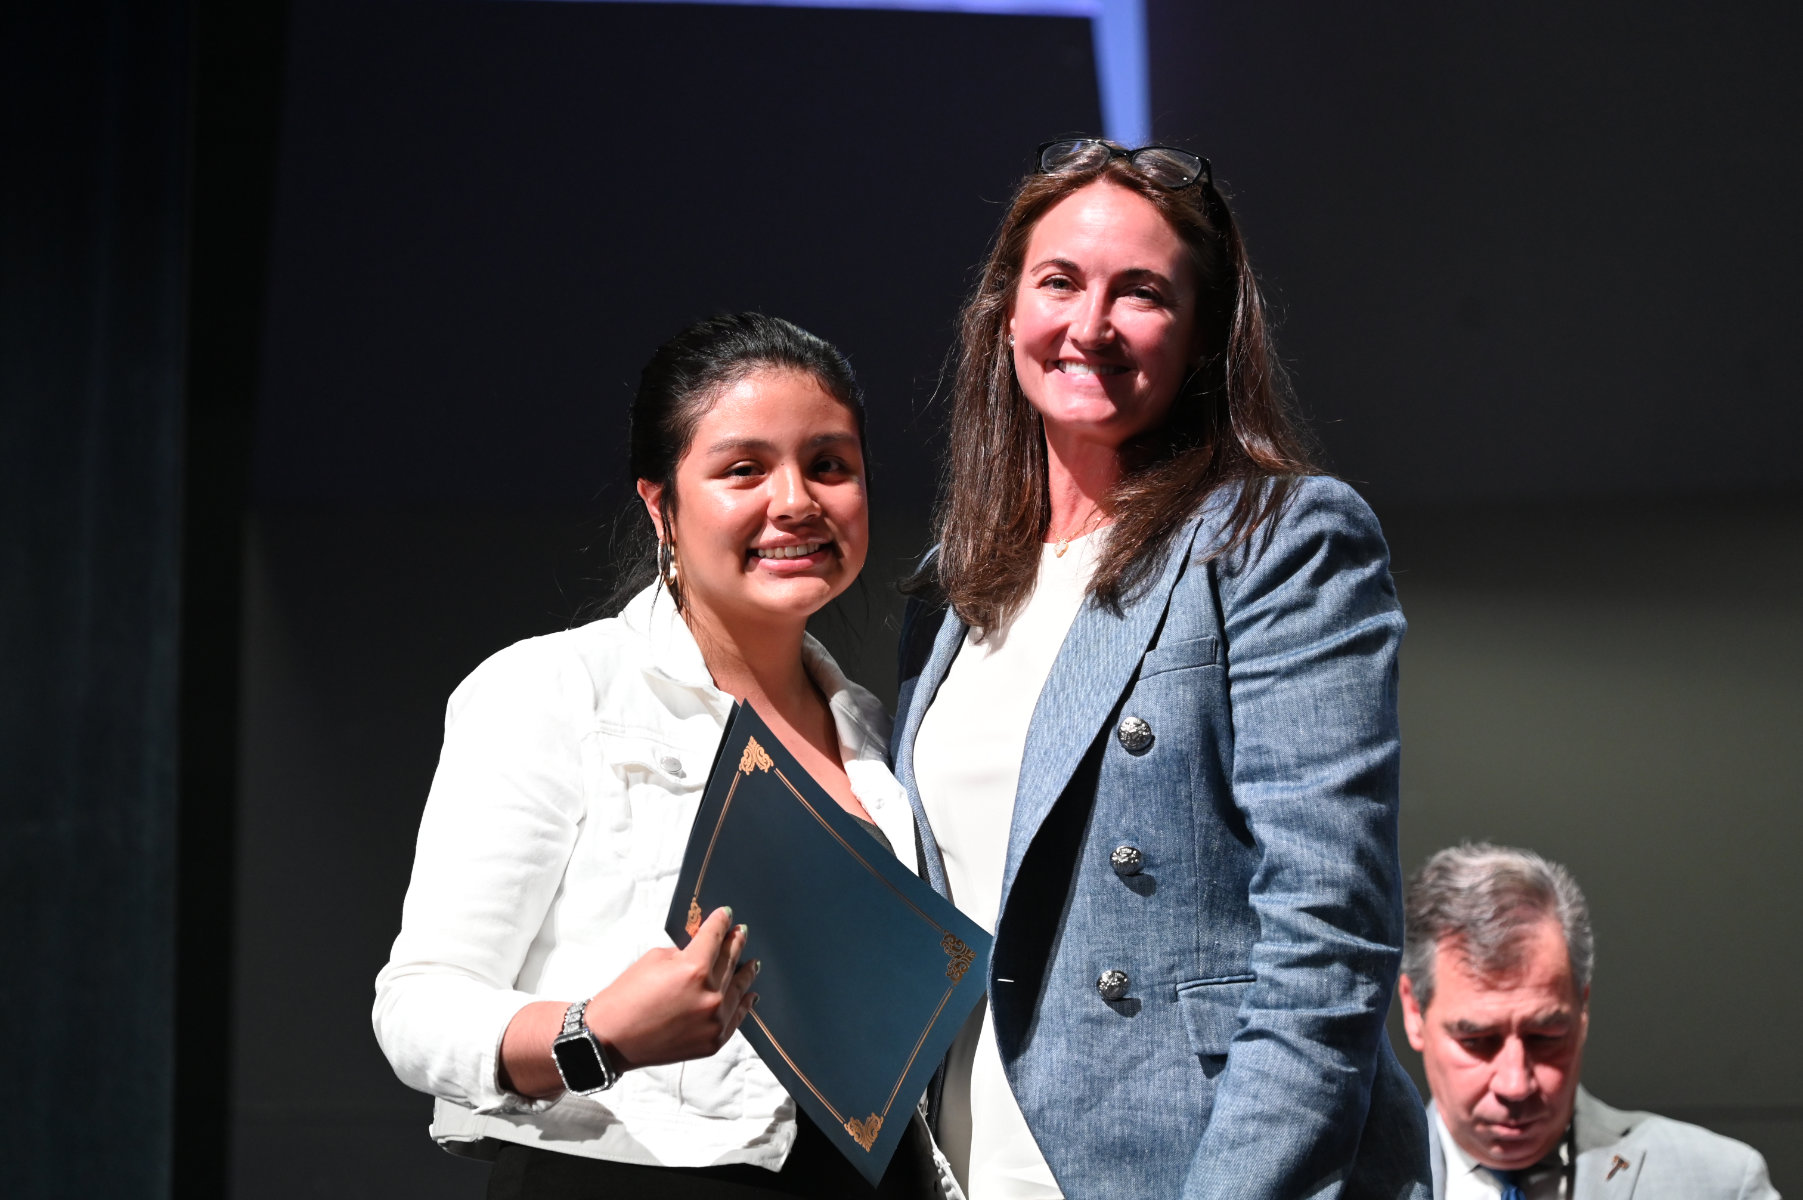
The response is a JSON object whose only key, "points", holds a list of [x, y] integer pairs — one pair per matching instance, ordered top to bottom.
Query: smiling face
{"points": [[1104, 316], [770, 520], [1502, 1054]]}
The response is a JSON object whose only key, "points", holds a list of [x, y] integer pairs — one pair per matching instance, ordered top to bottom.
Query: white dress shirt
{"points": [[967, 760], [572, 770], [1468, 1179]]}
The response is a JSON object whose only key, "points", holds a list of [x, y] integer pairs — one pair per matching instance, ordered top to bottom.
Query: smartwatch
{"points": [[581, 1060]]}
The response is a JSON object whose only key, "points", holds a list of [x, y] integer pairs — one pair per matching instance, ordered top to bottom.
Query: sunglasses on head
{"points": [[1164, 165]]}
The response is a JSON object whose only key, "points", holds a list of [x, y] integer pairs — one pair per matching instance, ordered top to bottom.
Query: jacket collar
{"points": [[673, 655], [673, 659], [1098, 660], [939, 661], [1094, 666], [1595, 1124], [1598, 1132], [1450, 1160], [1608, 1164]]}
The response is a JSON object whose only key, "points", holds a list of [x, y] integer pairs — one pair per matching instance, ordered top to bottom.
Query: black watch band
{"points": [[581, 1059]]}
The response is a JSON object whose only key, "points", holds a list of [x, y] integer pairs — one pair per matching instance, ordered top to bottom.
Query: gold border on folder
{"points": [[754, 756], [959, 955], [865, 1132]]}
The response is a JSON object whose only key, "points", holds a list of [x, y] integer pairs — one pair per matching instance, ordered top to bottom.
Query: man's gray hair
{"points": [[1483, 898]]}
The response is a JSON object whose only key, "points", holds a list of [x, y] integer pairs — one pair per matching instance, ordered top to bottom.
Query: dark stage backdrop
{"points": [[491, 213], [1542, 249], [93, 252]]}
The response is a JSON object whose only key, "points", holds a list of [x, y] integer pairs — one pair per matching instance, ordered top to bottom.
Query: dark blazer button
{"points": [[1135, 735], [1127, 860], [1112, 985]]}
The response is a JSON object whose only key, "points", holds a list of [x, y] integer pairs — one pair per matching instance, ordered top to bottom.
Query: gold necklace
{"points": [[1064, 543]]}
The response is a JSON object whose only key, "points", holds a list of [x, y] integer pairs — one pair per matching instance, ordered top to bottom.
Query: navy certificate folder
{"points": [[867, 972]]}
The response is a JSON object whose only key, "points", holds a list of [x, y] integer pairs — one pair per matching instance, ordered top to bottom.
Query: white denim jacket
{"points": [[572, 770]]}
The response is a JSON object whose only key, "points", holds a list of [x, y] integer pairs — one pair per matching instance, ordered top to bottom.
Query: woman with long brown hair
{"points": [[1148, 723]]}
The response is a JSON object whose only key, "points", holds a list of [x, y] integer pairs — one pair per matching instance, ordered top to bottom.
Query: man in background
{"points": [[1496, 997]]}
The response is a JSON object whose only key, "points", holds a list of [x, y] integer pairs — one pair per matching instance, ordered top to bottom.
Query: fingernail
{"points": [[743, 930], [757, 964]]}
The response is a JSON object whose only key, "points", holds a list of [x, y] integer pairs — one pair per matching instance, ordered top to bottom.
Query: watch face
{"points": [[580, 1062]]}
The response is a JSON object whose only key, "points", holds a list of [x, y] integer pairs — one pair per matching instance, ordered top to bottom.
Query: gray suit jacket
{"points": [[1247, 1059], [1647, 1157]]}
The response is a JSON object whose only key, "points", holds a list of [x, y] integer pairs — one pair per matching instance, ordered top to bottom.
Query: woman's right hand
{"points": [[673, 1005], [669, 1006]]}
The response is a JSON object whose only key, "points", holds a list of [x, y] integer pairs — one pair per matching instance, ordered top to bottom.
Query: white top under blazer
{"points": [[967, 760], [572, 770]]}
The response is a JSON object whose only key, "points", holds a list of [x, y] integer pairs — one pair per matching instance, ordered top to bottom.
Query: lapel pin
{"points": [[1618, 1163]]}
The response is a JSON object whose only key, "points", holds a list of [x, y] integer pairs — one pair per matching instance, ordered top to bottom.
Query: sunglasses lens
{"points": [[1074, 155], [1172, 168]]}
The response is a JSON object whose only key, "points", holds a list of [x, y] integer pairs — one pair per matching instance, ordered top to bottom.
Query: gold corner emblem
{"points": [[754, 756], [693, 924], [961, 957], [864, 1132]]}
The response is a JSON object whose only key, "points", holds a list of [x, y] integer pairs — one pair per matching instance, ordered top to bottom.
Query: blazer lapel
{"points": [[939, 661], [1096, 663], [1608, 1167]]}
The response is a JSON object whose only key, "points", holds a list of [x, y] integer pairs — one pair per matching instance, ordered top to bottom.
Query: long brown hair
{"points": [[1229, 424]]}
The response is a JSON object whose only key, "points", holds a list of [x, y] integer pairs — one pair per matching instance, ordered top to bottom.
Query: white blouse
{"points": [[967, 763], [572, 769]]}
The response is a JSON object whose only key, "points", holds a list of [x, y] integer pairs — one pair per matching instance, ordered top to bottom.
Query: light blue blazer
{"points": [[1261, 935]]}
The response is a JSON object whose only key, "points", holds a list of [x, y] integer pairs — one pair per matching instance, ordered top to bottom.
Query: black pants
{"points": [[815, 1168]]}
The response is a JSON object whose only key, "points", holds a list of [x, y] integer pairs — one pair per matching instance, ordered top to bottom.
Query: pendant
{"points": [[1063, 545]]}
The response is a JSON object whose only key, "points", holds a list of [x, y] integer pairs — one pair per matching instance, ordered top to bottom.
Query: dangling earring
{"points": [[1011, 339], [669, 571]]}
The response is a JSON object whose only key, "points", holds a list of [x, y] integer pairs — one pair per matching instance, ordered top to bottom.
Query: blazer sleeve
{"points": [[1312, 630]]}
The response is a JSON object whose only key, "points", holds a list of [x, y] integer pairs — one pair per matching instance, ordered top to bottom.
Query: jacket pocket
{"points": [[1176, 656], [637, 756], [646, 797], [1211, 1011]]}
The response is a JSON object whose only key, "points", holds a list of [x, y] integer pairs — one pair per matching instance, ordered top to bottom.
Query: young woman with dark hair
{"points": [[1148, 723], [532, 989]]}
